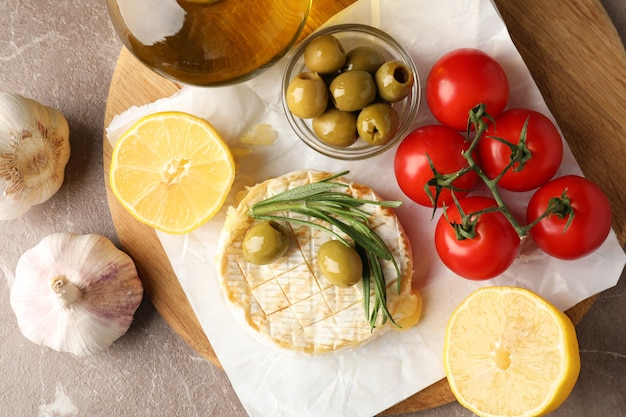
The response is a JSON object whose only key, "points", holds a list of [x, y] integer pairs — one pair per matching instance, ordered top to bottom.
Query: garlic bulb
{"points": [[34, 150], [75, 293]]}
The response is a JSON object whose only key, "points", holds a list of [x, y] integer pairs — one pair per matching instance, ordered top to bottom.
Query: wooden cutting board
{"points": [[575, 56]]}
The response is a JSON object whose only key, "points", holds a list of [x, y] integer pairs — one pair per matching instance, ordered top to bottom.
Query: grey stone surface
{"points": [[63, 54]]}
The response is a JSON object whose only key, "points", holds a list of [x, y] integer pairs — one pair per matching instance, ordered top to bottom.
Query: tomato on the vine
{"points": [[462, 79], [444, 147], [540, 157], [589, 227], [489, 253]]}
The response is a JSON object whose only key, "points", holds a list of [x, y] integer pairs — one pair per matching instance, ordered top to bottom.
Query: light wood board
{"points": [[575, 56]]}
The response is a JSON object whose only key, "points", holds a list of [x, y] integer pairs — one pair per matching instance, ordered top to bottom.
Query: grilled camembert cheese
{"points": [[289, 302]]}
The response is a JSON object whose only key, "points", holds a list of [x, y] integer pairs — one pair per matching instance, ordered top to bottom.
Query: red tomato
{"points": [[462, 79], [542, 140], [444, 147], [587, 231], [492, 250]]}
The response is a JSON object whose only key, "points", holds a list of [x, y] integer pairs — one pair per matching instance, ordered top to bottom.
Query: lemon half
{"points": [[171, 171], [509, 352]]}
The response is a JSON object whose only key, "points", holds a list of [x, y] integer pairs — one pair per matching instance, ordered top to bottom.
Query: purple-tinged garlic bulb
{"points": [[75, 293]]}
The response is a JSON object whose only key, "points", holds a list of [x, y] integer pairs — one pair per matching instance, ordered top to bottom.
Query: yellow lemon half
{"points": [[171, 171], [509, 352]]}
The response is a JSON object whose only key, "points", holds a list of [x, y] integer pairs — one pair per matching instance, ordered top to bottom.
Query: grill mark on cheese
{"points": [[290, 302]]}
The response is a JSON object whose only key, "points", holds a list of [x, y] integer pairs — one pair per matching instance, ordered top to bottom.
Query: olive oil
{"points": [[212, 42]]}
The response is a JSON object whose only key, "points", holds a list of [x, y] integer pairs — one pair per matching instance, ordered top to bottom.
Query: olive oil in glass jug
{"points": [[208, 42]]}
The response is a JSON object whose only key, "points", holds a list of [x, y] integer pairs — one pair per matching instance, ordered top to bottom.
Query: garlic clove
{"points": [[34, 150], [75, 293]]}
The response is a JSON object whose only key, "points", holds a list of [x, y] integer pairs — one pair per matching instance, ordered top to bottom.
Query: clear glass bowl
{"points": [[351, 36], [208, 42]]}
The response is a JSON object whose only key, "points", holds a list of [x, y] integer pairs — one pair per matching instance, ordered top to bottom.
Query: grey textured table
{"points": [[63, 53]]}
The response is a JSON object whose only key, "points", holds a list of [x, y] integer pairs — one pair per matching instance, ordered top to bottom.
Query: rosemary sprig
{"points": [[322, 201]]}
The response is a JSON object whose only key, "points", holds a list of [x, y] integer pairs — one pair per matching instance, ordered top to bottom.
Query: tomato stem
{"points": [[478, 117], [520, 154], [443, 181], [560, 207], [467, 228]]}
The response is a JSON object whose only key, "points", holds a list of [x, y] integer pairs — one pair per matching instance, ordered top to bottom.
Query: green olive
{"points": [[324, 54], [364, 58], [394, 80], [352, 90], [307, 95], [377, 123], [336, 127], [265, 242], [340, 263]]}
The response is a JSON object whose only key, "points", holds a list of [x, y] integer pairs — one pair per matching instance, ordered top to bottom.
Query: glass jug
{"points": [[208, 42]]}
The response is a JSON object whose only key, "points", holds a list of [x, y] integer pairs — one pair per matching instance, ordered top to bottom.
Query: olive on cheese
{"points": [[265, 242], [340, 263]]}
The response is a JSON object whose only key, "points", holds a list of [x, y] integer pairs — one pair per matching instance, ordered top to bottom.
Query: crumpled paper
{"points": [[370, 379]]}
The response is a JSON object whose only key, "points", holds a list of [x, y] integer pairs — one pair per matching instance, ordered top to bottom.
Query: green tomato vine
{"points": [[479, 120]]}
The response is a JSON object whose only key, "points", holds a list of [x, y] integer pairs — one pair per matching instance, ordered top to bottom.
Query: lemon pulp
{"points": [[171, 171], [508, 352]]}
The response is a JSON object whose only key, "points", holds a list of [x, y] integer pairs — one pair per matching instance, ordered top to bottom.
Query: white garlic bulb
{"points": [[34, 150], [75, 293]]}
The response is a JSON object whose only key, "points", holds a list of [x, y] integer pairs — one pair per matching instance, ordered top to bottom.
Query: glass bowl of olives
{"points": [[350, 91]]}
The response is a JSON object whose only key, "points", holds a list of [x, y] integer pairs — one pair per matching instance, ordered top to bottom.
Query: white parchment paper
{"points": [[368, 380]]}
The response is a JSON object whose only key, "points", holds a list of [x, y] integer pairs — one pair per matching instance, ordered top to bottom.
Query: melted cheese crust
{"points": [[289, 302]]}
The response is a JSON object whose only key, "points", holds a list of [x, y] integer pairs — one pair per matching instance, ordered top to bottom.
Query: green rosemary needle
{"points": [[322, 201]]}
